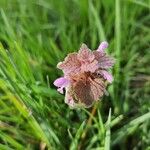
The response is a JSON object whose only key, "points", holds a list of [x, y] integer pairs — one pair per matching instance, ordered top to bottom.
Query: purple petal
{"points": [[102, 46], [106, 62], [107, 76], [61, 82], [60, 90]]}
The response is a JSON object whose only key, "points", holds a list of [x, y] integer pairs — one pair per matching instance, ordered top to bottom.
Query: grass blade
{"points": [[108, 132]]}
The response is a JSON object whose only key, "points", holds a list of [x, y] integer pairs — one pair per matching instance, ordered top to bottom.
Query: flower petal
{"points": [[102, 46], [85, 55], [106, 62], [70, 65], [90, 66], [107, 76], [61, 82], [98, 88], [60, 90], [88, 91]]}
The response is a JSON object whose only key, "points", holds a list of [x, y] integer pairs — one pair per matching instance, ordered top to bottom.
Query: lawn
{"points": [[37, 34]]}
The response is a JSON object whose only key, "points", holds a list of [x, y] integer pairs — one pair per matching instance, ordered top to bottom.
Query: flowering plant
{"points": [[85, 75]]}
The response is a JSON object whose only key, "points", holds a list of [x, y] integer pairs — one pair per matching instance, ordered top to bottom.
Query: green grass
{"points": [[35, 36]]}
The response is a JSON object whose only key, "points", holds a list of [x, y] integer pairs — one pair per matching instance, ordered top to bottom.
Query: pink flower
{"points": [[85, 74]]}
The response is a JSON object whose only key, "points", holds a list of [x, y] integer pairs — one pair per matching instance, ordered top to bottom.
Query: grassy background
{"points": [[35, 35]]}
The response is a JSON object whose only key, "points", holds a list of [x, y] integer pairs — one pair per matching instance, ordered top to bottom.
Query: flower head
{"points": [[85, 75]]}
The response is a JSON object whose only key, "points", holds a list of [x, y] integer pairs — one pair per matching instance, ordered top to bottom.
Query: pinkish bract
{"points": [[85, 76]]}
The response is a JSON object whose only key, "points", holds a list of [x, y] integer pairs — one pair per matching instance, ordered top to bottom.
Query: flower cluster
{"points": [[85, 75]]}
